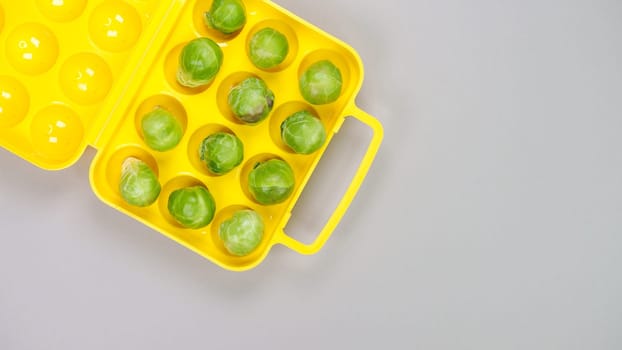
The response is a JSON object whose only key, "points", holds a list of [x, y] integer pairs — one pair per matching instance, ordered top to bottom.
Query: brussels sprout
{"points": [[226, 16], [268, 48], [199, 62], [321, 83], [251, 100], [161, 130], [303, 132], [221, 152], [271, 182], [139, 185], [192, 207], [242, 233]]}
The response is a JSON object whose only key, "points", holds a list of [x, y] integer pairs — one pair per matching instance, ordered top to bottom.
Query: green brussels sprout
{"points": [[226, 16], [268, 48], [199, 62], [321, 83], [251, 100], [161, 130], [303, 132], [221, 152], [271, 182], [139, 185], [192, 207], [242, 233]]}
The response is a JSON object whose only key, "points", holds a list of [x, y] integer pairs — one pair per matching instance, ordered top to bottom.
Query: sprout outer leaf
{"points": [[226, 16], [268, 48], [199, 62], [321, 83], [251, 100], [161, 130], [303, 132], [221, 152], [271, 182], [139, 185], [192, 207], [242, 233]]}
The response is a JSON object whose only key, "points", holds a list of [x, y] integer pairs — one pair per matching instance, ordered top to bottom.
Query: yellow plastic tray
{"points": [[78, 73]]}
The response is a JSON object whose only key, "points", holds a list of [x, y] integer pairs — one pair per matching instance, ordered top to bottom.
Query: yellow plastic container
{"points": [[77, 73]]}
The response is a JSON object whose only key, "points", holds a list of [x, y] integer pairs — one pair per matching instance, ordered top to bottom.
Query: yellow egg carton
{"points": [[78, 73]]}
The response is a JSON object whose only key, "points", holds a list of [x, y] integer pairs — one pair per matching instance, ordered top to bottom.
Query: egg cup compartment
{"points": [[114, 26], [283, 28], [201, 29], [31, 48], [171, 65], [85, 78], [222, 95], [164, 101], [14, 102], [283, 112], [56, 132], [194, 146], [114, 163], [250, 164], [172, 185], [218, 252]]}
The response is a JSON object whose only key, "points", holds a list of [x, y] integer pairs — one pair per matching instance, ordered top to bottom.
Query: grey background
{"points": [[491, 218]]}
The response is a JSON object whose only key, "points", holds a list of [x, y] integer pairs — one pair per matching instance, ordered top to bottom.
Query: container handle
{"points": [[357, 180]]}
